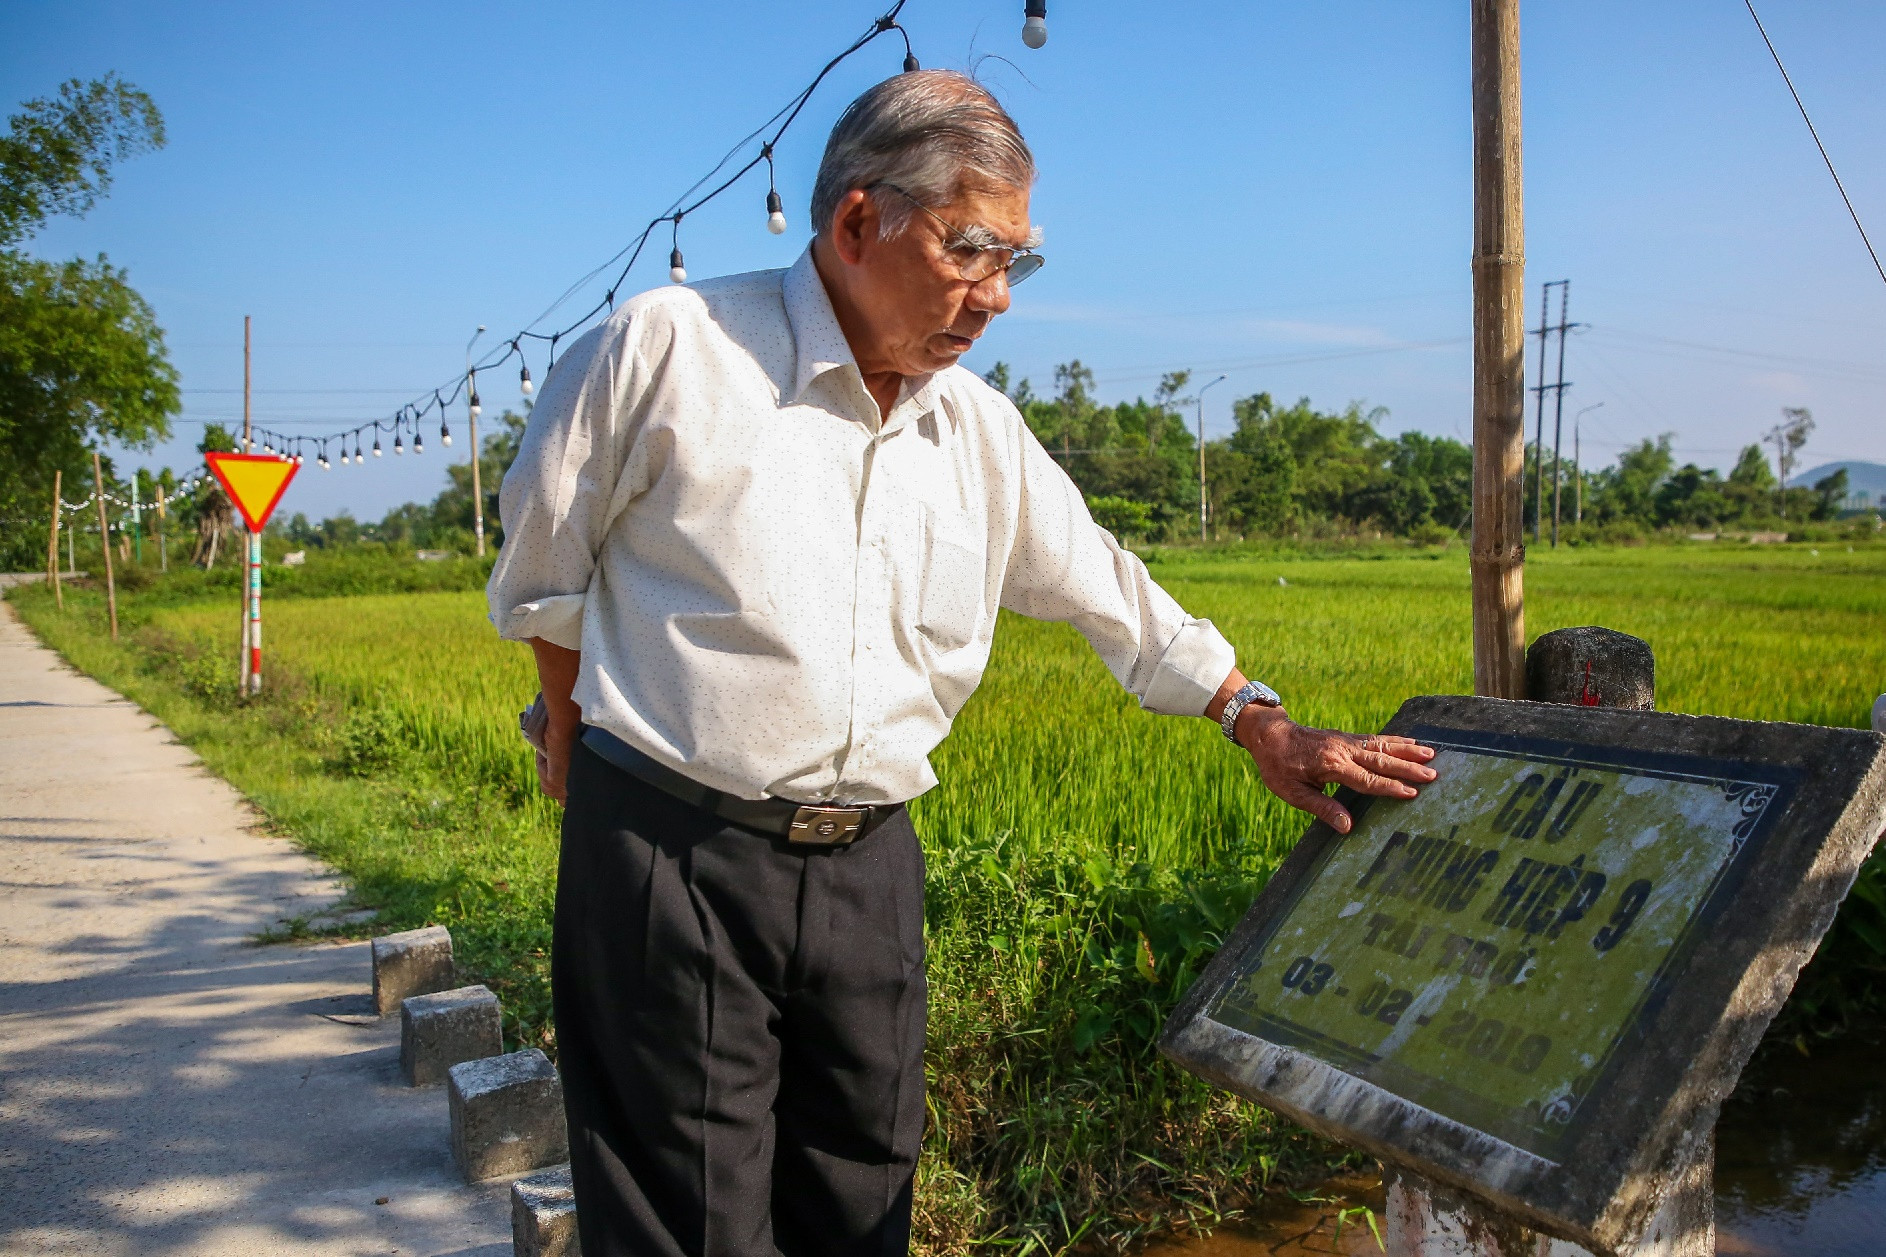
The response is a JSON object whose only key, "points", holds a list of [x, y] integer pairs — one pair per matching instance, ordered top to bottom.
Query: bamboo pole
{"points": [[1499, 367], [52, 541], [163, 542], [104, 545]]}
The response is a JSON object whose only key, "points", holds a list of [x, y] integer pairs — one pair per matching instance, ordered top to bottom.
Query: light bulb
{"points": [[1035, 23], [910, 63], [775, 214], [677, 270], [524, 385], [476, 409], [445, 436], [419, 444], [376, 446], [399, 446]]}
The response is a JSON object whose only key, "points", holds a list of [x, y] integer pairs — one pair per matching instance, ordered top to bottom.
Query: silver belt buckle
{"points": [[827, 826]]}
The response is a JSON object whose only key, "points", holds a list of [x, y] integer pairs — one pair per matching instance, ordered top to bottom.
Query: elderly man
{"points": [[756, 535]]}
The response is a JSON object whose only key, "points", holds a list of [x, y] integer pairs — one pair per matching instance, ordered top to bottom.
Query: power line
{"points": [[1855, 214]]}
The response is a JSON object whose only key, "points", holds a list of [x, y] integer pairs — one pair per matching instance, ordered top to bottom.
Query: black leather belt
{"points": [[815, 824]]}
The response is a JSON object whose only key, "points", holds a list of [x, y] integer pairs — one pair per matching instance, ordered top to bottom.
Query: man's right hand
{"points": [[556, 673], [553, 764]]}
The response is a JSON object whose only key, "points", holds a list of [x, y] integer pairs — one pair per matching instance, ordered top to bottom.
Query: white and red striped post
{"points": [[255, 612]]}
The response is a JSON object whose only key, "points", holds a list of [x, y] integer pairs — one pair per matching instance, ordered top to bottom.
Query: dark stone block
{"points": [[1591, 667], [416, 962], [1534, 985], [438, 1031], [507, 1115], [543, 1215]]}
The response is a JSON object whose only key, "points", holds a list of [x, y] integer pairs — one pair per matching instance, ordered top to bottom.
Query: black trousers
{"points": [[740, 1027]]}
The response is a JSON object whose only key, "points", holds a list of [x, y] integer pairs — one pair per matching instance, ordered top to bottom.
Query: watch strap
{"points": [[1250, 692]]}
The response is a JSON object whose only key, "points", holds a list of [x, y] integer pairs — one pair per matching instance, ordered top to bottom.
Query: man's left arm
{"points": [[1064, 567]]}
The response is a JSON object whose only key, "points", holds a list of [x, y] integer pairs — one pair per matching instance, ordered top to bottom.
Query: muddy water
{"points": [[1801, 1153], [1800, 1169]]}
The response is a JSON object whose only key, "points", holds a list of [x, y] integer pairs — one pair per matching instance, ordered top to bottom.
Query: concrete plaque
{"points": [[1537, 981]]}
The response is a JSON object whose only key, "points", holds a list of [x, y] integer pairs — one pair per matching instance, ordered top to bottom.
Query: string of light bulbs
{"points": [[410, 416], [184, 489]]}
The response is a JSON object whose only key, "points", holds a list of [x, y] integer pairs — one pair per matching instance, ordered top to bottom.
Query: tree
{"points": [[57, 155], [82, 360], [1166, 398], [1797, 422], [1628, 492], [1830, 493], [1694, 497], [214, 515], [450, 525]]}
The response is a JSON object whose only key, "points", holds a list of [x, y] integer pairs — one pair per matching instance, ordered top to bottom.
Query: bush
{"points": [[371, 740]]}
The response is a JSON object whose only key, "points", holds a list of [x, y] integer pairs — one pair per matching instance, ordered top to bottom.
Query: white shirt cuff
{"points": [[558, 620], [1196, 663]]}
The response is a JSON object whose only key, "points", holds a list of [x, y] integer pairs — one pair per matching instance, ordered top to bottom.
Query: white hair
{"points": [[927, 132]]}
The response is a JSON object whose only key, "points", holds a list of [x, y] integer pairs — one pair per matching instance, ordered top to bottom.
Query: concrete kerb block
{"points": [[1592, 667], [417, 962], [440, 1030], [507, 1115], [543, 1215]]}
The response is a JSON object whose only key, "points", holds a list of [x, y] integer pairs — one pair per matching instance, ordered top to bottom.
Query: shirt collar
{"points": [[819, 342]]}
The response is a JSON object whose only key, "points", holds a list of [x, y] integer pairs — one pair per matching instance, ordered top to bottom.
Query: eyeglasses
{"points": [[978, 261]]}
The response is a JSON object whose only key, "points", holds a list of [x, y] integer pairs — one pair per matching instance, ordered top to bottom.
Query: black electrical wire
{"points": [[1841, 187], [449, 391]]}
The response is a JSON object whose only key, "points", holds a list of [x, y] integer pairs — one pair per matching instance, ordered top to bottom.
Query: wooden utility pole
{"points": [[1499, 356], [52, 542], [104, 544]]}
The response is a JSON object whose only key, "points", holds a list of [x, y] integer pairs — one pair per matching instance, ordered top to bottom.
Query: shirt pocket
{"points": [[954, 570]]}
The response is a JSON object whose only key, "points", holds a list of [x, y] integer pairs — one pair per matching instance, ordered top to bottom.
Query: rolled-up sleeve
{"points": [[563, 491], [1066, 567]]}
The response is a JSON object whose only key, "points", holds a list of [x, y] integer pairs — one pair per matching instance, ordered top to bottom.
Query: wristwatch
{"points": [[1251, 692]]}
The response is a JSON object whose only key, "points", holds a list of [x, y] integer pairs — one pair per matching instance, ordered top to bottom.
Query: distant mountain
{"points": [[1867, 478]]}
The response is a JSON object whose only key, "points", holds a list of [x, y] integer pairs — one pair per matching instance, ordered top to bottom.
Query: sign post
{"points": [[255, 483], [1529, 990]]}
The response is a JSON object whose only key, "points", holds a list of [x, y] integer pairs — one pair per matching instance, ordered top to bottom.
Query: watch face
{"points": [[1265, 695]]}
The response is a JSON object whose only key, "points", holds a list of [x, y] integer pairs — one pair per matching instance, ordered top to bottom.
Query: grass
{"points": [[1084, 858]]}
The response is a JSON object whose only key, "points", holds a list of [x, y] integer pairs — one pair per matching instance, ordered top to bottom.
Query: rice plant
{"points": [[1084, 858]]}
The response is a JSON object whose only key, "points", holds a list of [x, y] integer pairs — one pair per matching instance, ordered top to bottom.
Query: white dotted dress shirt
{"points": [[777, 591]]}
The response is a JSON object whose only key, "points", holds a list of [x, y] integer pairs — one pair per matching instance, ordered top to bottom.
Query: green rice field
{"points": [[1084, 857]]}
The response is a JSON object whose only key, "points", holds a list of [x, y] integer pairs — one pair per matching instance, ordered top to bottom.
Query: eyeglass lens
{"points": [[986, 262]]}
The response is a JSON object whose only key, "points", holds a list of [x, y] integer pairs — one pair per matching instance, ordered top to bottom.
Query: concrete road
{"points": [[166, 1085]]}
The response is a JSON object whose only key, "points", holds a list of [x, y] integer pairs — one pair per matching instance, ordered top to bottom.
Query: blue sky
{"points": [[1277, 192]]}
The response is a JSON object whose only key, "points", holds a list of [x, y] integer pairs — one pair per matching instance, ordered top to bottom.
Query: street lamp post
{"points": [[471, 409], [1201, 457], [1578, 474]]}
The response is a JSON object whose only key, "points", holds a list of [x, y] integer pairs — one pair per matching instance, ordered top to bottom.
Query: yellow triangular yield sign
{"points": [[254, 482]]}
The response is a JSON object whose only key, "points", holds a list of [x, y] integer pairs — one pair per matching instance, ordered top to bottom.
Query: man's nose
{"points": [[989, 295]]}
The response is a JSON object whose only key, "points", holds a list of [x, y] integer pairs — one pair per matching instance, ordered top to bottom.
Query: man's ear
{"points": [[854, 226]]}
